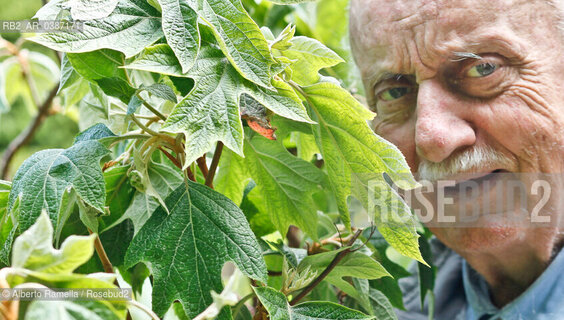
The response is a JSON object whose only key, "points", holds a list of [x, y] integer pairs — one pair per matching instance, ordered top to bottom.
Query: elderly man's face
{"points": [[469, 87]]}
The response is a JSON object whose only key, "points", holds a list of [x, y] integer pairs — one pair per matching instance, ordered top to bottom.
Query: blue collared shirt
{"points": [[462, 294], [544, 299]]}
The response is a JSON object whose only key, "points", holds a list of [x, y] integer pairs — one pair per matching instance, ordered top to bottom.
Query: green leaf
{"points": [[92, 9], [51, 10], [133, 25], [180, 26], [240, 39], [284, 39], [310, 56], [158, 58], [98, 64], [103, 67], [43, 70], [68, 74], [116, 87], [162, 91], [216, 96], [284, 101], [133, 105], [96, 132], [356, 160], [232, 176], [44, 177], [163, 180], [285, 183], [5, 187], [119, 194], [254, 207], [6, 227], [116, 241], [190, 245], [33, 249], [293, 255], [35, 261], [354, 264], [426, 273], [388, 286], [381, 306], [278, 308], [69, 310]]}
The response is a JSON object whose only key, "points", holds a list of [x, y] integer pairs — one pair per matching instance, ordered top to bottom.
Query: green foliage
{"points": [[125, 29], [169, 92], [43, 180], [285, 184], [203, 230], [37, 264], [279, 309]]}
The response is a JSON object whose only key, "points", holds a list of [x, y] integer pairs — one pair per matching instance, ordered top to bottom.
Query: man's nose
{"points": [[441, 127]]}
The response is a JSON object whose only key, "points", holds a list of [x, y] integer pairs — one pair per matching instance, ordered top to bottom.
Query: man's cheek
{"points": [[518, 122]]}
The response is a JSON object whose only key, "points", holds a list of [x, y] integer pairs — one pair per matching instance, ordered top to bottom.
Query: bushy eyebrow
{"points": [[460, 56], [389, 76]]}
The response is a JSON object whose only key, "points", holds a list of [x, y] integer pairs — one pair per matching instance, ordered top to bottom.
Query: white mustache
{"points": [[469, 161]]}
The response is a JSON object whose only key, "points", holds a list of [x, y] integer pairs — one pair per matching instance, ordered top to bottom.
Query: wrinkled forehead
{"points": [[384, 27]]}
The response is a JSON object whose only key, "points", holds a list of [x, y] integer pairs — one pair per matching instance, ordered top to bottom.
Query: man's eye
{"points": [[482, 70], [394, 93]]}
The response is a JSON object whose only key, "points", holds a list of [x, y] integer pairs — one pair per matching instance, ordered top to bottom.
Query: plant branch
{"points": [[26, 73], [151, 108], [142, 126], [26, 135], [128, 137], [171, 158], [214, 164], [203, 165], [106, 264], [327, 270]]}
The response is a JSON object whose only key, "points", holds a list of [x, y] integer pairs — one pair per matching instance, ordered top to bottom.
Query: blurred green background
{"points": [[17, 108]]}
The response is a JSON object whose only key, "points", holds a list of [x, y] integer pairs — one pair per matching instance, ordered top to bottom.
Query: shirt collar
{"points": [[542, 299]]}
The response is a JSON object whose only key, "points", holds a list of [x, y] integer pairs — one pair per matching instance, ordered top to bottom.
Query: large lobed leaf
{"points": [[132, 26], [180, 26], [240, 38], [309, 56], [210, 112], [356, 161], [44, 177], [285, 182], [187, 248], [34, 250], [37, 264], [354, 264]]}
